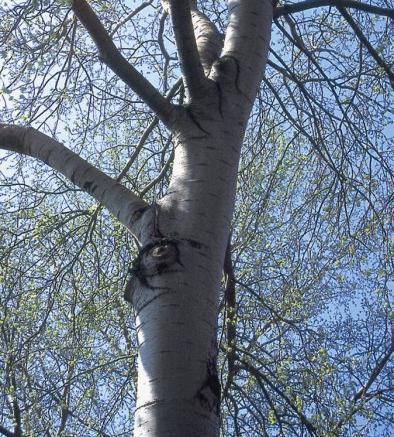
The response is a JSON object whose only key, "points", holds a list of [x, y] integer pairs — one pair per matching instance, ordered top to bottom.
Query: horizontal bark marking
{"points": [[229, 164], [158, 296], [148, 404]]}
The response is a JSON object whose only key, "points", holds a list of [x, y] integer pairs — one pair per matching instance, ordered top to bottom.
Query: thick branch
{"points": [[311, 4], [208, 38], [363, 39], [247, 41], [187, 48], [111, 56], [119, 200]]}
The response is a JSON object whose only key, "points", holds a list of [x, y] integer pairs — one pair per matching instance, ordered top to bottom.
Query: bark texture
{"points": [[175, 295]]}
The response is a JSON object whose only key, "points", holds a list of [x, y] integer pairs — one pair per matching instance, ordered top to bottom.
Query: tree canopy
{"points": [[306, 333]]}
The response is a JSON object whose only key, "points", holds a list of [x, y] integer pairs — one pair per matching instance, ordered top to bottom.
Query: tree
{"points": [[303, 318]]}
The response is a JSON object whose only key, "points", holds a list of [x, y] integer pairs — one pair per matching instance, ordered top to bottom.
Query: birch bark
{"points": [[175, 280], [178, 388]]}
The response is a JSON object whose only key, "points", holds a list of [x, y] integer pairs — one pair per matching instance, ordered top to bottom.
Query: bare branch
{"points": [[311, 4], [130, 16], [208, 38], [363, 39], [247, 41], [187, 48], [111, 56], [146, 134], [120, 201], [230, 298], [375, 372], [264, 380], [362, 394], [16, 408], [6, 432]]}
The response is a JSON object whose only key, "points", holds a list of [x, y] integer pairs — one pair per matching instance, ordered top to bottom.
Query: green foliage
{"points": [[312, 247]]}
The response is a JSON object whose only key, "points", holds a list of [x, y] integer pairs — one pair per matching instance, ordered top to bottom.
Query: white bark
{"points": [[208, 39], [247, 39], [120, 201], [177, 312], [176, 321]]}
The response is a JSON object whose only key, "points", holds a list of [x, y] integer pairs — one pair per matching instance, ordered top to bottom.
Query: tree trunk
{"points": [[176, 279]]}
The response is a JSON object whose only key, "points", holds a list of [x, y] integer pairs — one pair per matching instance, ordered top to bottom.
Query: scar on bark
{"points": [[226, 65], [229, 67], [195, 121], [89, 186], [138, 214], [157, 257], [154, 259], [209, 394]]}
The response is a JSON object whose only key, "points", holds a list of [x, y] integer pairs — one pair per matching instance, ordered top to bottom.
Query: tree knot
{"points": [[155, 258]]}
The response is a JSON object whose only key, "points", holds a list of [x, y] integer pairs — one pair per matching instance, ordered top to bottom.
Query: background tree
{"points": [[305, 313]]}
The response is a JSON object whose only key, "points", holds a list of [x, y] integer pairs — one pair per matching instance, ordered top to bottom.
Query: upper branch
{"points": [[310, 4], [130, 16], [208, 38], [364, 40], [247, 41], [187, 48], [111, 56], [120, 201]]}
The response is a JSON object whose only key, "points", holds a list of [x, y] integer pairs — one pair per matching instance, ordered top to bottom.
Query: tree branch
{"points": [[311, 4], [130, 16], [208, 38], [363, 39], [247, 41], [187, 47], [111, 56], [175, 88], [120, 201], [230, 298], [375, 372], [261, 378], [362, 394], [16, 408], [5, 432]]}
